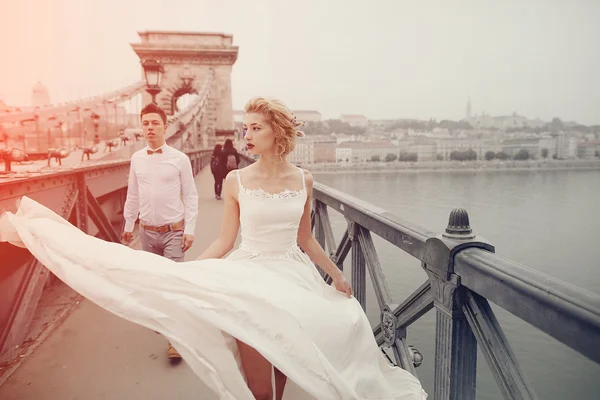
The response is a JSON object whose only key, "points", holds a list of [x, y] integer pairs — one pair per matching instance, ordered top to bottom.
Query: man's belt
{"points": [[177, 226]]}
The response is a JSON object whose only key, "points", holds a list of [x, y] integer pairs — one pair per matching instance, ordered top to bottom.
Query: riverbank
{"points": [[447, 166]]}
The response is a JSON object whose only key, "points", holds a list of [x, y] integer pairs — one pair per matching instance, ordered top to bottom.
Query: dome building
{"points": [[40, 96]]}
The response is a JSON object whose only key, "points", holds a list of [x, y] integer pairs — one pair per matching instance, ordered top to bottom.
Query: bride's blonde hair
{"points": [[280, 119]]}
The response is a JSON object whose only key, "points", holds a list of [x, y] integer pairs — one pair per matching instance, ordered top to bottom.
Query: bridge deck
{"points": [[73, 160], [95, 355]]}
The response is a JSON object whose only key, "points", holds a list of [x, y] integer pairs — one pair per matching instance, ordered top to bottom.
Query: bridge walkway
{"points": [[91, 354]]}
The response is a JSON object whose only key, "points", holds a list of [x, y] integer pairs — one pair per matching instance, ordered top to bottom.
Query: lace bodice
{"points": [[285, 194], [269, 221]]}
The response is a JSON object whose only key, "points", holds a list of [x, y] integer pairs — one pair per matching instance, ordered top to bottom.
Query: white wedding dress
{"points": [[267, 294]]}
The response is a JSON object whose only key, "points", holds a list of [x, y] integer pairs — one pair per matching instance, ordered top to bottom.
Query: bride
{"points": [[259, 323]]}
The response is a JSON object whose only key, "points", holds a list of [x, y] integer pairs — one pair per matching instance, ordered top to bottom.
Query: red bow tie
{"points": [[150, 152]]}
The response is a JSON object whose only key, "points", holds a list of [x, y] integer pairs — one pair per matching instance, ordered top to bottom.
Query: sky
{"points": [[380, 58]]}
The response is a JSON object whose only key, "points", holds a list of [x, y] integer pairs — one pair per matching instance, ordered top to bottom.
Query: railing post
{"points": [[82, 203], [319, 223], [359, 272], [456, 347]]}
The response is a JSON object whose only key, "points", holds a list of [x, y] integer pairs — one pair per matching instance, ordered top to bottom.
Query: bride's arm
{"points": [[230, 223], [313, 249]]}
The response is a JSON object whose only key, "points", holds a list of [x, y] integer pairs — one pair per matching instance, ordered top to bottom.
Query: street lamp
{"points": [[152, 72], [96, 122], [25, 123], [59, 127], [4, 136]]}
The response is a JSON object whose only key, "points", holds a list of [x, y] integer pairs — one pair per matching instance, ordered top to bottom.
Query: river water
{"points": [[546, 220]]}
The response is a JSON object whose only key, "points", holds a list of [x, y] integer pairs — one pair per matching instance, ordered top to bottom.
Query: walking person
{"points": [[230, 158], [216, 170], [162, 192]]}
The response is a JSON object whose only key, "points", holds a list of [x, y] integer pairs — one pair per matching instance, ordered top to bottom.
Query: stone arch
{"points": [[188, 58], [176, 95]]}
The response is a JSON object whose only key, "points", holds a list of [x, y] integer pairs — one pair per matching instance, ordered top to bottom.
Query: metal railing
{"points": [[91, 192], [78, 195], [464, 274]]}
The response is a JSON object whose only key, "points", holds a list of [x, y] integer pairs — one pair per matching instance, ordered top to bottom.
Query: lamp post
{"points": [[152, 72], [105, 104], [36, 118], [25, 123], [80, 123], [96, 123], [59, 126], [4, 136]]}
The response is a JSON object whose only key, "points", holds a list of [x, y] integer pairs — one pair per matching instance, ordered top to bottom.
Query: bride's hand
{"points": [[342, 285]]}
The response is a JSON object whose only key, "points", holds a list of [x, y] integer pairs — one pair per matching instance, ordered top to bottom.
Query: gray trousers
{"points": [[166, 244]]}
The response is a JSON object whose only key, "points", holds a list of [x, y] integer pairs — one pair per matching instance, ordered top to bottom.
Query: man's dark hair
{"points": [[154, 109], [228, 144]]}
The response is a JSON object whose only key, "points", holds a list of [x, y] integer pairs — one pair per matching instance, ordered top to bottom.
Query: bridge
{"points": [[56, 345]]}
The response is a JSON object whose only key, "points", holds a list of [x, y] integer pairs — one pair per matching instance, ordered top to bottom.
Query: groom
{"points": [[162, 192]]}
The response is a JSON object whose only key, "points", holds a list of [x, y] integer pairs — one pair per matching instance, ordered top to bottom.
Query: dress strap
{"points": [[237, 172], [303, 179]]}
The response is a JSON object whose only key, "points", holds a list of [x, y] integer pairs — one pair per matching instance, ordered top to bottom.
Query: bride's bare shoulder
{"points": [[247, 171], [231, 176], [234, 177]]}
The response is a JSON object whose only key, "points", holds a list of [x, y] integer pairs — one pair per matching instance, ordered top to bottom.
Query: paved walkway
{"points": [[94, 355]]}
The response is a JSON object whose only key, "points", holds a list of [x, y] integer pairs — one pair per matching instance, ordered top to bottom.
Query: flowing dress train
{"points": [[267, 293]]}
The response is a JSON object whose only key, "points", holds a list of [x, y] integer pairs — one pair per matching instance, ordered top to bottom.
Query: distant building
{"points": [[40, 97], [301, 115], [307, 115], [355, 120], [482, 121], [501, 122], [504, 122], [510, 122], [380, 123], [440, 133], [344, 137], [548, 143], [493, 145], [513, 146], [562, 146], [446, 147], [566, 147], [572, 147], [424, 148], [325, 149], [589, 149], [359, 152], [304, 153], [343, 154]]}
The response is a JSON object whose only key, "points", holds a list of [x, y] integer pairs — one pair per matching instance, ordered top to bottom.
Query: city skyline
{"points": [[386, 60], [469, 114]]}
